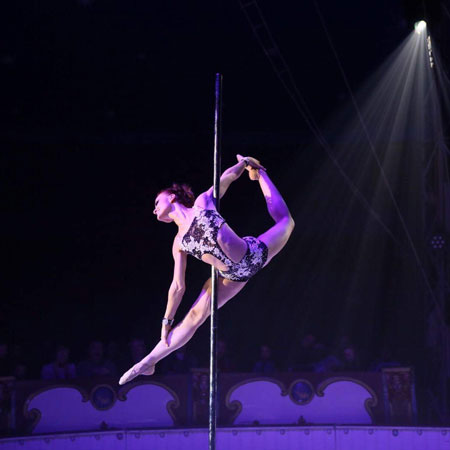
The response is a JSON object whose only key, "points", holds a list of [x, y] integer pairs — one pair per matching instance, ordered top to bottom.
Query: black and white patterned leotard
{"points": [[201, 238]]}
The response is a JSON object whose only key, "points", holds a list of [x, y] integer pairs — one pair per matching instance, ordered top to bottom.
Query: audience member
{"points": [[344, 342], [137, 350], [116, 352], [308, 354], [349, 360], [384, 360], [179, 361], [225, 362], [19, 363], [330, 363], [265, 364], [96, 365], [60, 368], [20, 371]]}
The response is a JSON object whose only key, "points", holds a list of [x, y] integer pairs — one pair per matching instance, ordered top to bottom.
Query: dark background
{"points": [[105, 102]]}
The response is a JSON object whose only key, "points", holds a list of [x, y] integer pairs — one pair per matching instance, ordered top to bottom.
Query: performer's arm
{"points": [[233, 173], [177, 288]]}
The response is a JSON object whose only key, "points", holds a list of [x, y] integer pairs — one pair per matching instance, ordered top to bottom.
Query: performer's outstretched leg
{"points": [[276, 237], [184, 331]]}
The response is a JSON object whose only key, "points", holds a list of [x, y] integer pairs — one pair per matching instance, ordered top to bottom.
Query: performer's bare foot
{"points": [[253, 173], [135, 371]]}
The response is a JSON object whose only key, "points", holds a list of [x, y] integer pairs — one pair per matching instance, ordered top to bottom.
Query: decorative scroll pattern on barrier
{"points": [[181, 401]]}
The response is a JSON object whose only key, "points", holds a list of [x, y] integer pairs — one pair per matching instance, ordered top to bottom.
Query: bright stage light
{"points": [[420, 26]]}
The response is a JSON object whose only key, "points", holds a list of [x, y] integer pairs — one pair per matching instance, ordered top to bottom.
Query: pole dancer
{"points": [[204, 233]]}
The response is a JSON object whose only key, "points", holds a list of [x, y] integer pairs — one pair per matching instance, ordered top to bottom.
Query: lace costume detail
{"points": [[201, 238]]}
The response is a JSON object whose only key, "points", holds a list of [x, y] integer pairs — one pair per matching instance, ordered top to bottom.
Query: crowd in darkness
{"points": [[112, 360]]}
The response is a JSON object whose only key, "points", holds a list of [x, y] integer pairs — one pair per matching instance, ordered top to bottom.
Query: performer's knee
{"points": [[287, 223], [291, 224], [196, 316]]}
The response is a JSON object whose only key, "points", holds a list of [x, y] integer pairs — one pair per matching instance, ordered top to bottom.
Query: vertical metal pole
{"points": [[213, 352]]}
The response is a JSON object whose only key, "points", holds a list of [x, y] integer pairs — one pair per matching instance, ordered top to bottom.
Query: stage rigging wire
{"points": [[447, 12], [302, 107], [382, 172]]}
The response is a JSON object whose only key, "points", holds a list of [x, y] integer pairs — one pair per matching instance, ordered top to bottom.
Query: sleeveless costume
{"points": [[201, 238]]}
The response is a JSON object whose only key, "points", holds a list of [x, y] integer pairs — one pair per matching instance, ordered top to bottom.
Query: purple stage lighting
{"points": [[438, 242]]}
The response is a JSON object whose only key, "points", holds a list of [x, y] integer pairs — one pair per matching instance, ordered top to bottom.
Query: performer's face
{"points": [[163, 206]]}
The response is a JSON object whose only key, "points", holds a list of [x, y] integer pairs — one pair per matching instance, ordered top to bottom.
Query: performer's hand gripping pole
{"points": [[214, 295]]}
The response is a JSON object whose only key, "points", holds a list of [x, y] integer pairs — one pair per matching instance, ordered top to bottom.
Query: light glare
{"points": [[420, 26]]}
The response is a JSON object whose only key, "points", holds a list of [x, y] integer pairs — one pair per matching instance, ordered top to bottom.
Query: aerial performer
{"points": [[204, 233]]}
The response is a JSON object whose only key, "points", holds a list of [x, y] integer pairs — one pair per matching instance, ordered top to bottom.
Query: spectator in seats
{"points": [[344, 342], [137, 350], [319, 351], [42, 352], [310, 352], [116, 353], [345, 359], [349, 360], [384, 360], [180, 361], [225, 362], [330, 363], [265, 364], [96, 365], [18, 367], [6, 368], [60, 368], [20, 371]]}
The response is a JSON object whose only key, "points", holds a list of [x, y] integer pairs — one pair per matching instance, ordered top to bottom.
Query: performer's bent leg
{"points": [[276, 205], [276, 237], [184, 331]]}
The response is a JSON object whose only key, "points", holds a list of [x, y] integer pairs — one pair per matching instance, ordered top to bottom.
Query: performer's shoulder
{"points": [[204, 200]]}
